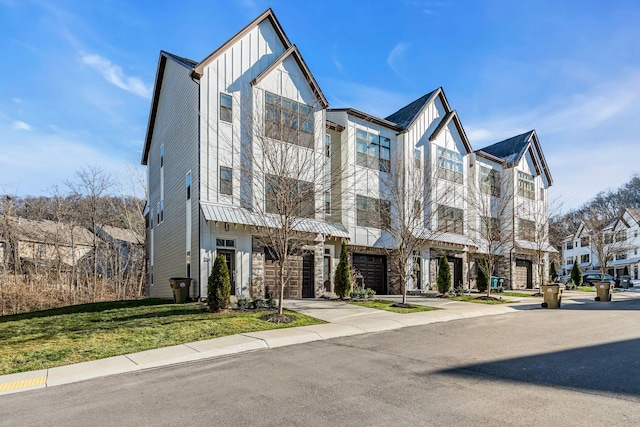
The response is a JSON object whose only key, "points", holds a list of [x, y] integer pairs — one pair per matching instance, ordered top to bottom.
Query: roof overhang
{"points": [[452, 115], [366, 117], [242, 216]]}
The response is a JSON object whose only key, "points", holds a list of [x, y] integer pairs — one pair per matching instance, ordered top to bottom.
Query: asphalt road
{"points": [[579, 365]]}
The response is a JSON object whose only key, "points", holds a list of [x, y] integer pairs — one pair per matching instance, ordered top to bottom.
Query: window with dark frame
{"points": [[226, 107], [288, 120], [373, 151], [417, 153], [162, 155], [450, 165], [226, 181], [490, 181], [526, 186], [298, 200], [372, 212], [450, 219], [527, 230], [584, 258]]}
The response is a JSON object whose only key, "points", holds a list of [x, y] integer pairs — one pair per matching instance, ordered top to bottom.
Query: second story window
{"points": [[226, 107], [288, 120], [327, 145], [373, 151], [162, 155], [417, 158], [450, 165], [226, 181], [489, 181], [526, 186], [287, 196], [327, 203], [371, 212], [450, 219], [527, 230], [621, 236], [608, 238], [584, 241], [569, 245], [584, 258]]}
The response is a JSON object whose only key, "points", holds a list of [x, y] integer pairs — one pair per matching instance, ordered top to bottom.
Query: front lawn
{"points": [[585, 289], [517, 294], [480, 299], [389, 306], [62, 336]]}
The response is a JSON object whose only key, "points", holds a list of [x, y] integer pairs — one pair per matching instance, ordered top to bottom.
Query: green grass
{"points": [[585, 289], [515, 294], [473, 298], [387, 305], [86, 332]]}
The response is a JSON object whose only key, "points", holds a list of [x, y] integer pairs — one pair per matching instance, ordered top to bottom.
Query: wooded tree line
{"points": [[597, 213], [84, 243]]}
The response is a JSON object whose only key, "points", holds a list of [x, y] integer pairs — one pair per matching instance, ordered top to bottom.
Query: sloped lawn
{"points": [[480, 299], [86, 332]]}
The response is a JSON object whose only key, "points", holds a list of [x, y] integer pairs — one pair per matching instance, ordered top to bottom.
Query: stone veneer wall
{"points": [[433, 267]]}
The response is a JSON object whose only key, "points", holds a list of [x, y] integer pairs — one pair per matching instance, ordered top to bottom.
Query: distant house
{"points": [[33, 245], [622, 249]]}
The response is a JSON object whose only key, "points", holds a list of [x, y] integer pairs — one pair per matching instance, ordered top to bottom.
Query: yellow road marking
{"points": [[17, 385]]}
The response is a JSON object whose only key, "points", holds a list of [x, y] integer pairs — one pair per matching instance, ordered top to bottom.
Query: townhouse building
{"points": [[225, 133], [621, 249]]}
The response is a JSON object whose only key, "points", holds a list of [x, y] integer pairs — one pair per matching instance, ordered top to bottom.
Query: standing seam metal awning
{"points": [[237, 215]]}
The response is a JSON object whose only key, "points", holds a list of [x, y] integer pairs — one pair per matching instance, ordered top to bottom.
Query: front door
{"points": [[230, 257], [307, 276]]}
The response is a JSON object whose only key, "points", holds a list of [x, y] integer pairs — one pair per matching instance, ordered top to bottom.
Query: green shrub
{"points": [[552, 271], [576, 273], [444, 276], [342, 279], [482, 280], [219, 286], [362, 293], [371, 294], [271, 302], [244, 303], [259, 303]]}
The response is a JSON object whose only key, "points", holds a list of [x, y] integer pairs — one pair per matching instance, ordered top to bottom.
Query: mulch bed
{"points": [[277, 318]]}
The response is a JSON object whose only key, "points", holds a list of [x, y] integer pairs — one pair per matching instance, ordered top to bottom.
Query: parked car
{"points": [[589, 277]]}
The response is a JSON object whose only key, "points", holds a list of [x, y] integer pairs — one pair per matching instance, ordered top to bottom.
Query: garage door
{"points": [[373, 269], [300, 274], [523, 274]]}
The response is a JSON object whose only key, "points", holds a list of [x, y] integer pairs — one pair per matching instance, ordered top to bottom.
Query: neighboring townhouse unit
{"points": [[226, 133], [514, 180], [41, 245], [621, 249]]}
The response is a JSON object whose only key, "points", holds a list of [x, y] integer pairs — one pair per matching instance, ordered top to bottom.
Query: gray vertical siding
{"points": [[176, 127]]}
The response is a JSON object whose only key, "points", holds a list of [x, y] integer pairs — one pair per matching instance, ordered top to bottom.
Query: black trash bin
{"points": [[180, 287]]}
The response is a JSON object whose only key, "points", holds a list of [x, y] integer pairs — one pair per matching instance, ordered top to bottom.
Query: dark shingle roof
{"points": [[189, 63], [407, 114], [511, 149]]}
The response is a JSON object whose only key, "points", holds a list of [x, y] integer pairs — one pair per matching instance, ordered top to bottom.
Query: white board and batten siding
{"points": [[177, 130]]}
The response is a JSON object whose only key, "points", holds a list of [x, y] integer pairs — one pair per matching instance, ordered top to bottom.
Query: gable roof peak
{"points": [[267, 14], [406, 115]]}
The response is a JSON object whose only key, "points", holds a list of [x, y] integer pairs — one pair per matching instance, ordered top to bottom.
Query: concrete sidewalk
{"points": [[343, 320]]}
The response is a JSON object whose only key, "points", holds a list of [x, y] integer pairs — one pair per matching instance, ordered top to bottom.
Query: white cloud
{"points": [[395, 57], [114, 75], [17, 100], [21, 125]]}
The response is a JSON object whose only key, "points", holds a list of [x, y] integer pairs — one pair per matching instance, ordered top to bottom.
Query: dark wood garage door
{"points": [[373, 269], [300, 274]]}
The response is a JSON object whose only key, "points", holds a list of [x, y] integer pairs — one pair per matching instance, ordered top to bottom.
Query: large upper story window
{"points": [[288, 120], [373, 151], [450, 165], [489, 181], [526, 186], [287, 196], [372, 212], [450, 219], [489, 228], [527, 230], [621, 236], [584, 241], [584, 258]]}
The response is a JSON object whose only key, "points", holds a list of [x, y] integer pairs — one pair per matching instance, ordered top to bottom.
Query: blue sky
{"points": [[76, 76]]}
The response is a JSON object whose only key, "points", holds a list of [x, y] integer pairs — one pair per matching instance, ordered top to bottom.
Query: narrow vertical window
{"points": [[226, 107], [327, 145], [162, 155], [417, 158], [226, 181], [188, 184], [327, 203], [189, 264]]}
